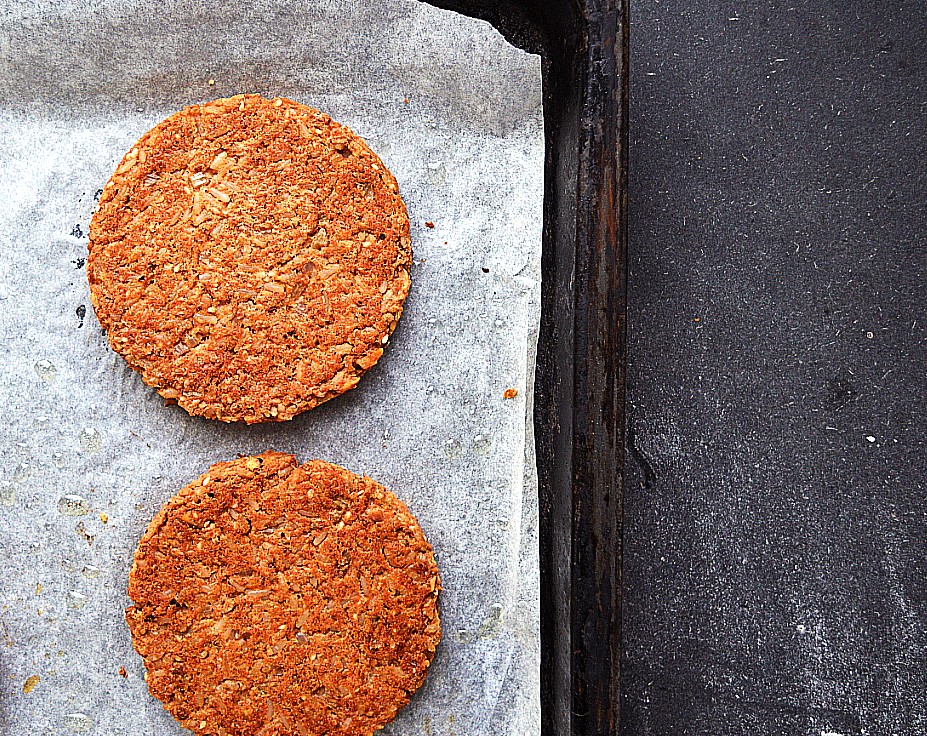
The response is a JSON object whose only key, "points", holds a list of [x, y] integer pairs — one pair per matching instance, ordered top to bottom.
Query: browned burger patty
{"points": [[250, 258], [274, 598]]}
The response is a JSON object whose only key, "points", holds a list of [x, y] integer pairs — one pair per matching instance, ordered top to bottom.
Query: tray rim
{"points": [[579, 400]]}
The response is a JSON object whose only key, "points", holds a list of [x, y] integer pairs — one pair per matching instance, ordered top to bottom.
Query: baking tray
{"points": [[580, 380]]}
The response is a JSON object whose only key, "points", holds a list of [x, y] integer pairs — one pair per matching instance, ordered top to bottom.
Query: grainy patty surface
{"points": [[250, 257], [274, 598]]}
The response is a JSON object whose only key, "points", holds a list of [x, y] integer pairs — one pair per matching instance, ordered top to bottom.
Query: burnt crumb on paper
{"points": [[97, 194], [77, 231], [79, 262], [485, 269], [81, 312], [136, 435], [82, 530]]}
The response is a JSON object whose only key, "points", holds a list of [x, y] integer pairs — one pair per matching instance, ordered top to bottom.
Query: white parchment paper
{"points": [[89, 453]]}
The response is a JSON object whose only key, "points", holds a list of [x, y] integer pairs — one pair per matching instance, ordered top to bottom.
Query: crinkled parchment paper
{"points": [[89, 453]]}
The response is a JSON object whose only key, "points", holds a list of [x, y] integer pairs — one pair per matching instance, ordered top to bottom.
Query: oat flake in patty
{"points": [[250, 258], [278, 599]]}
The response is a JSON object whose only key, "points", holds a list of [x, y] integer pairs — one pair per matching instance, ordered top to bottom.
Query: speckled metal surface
{"points": [[89, 453], [776, 509]]}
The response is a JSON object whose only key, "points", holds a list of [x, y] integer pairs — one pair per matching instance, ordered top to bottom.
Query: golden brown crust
{"points": [[250, 258], [279, 599]]}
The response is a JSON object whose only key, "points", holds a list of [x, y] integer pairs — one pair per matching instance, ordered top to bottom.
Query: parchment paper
{"points": [[89, 453]]}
